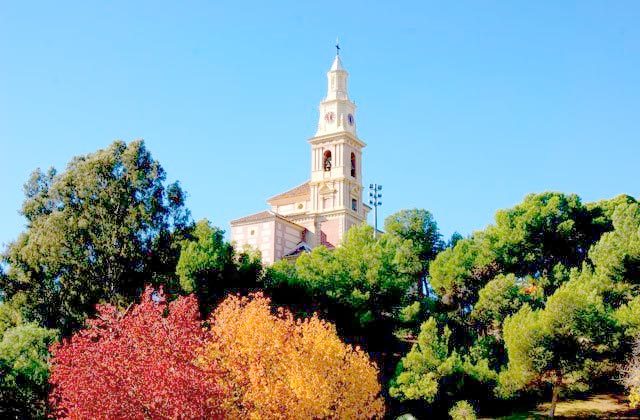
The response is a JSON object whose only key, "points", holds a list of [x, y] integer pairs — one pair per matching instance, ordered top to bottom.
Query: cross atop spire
{"points": [[337, 63]]}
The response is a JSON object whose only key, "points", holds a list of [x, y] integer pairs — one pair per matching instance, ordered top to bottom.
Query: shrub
{"points": [[462, 411]]}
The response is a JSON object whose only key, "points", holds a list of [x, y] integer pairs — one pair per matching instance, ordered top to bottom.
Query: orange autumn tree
{"points": [[274, 366]]}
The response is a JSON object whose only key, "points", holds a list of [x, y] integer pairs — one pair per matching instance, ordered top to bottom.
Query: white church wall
{"points": [[258, 236], [286, 238]]}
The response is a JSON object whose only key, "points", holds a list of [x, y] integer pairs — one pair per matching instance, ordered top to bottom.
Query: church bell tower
{"points": [[336, 159]]}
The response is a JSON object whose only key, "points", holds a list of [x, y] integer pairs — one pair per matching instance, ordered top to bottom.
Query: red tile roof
{"points": [[300, 190], [264, 215], [254, 217]]}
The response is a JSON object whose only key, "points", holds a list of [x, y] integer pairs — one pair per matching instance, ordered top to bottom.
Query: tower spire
{"points": [[337, 46], [336, 110]]}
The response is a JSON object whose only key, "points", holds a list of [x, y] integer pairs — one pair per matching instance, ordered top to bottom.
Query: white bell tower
{"points": [[337, 112], [336, 158]]}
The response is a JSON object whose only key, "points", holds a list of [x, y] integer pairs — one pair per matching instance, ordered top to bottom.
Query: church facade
{"points": [[322, 209]]}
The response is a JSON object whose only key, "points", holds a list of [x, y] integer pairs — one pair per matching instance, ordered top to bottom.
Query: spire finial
{"points": [[337, 46]]}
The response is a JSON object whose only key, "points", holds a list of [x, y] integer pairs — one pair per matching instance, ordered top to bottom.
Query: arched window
{"points": [[326, 163], [353, 164]]}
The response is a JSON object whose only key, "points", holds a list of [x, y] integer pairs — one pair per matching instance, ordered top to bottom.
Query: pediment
{"points": [[326, 188]]}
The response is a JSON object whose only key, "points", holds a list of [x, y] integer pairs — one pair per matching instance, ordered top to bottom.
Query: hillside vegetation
{"points": [[113, 298]]}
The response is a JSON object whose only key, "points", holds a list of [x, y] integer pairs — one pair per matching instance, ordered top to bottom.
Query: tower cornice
{"points": [[338, 100], [327, 138]]}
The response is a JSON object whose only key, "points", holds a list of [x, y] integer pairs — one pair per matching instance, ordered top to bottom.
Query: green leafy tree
{"points": [[603, 210], [421, 229], [543, 231], [95, 232], [455, 237], [542, 237], [539, 240], [617, 254], [522, 259], [616, 261], [210, 267], [458, 273], [369, 276], [499, 298], [11, 312], [410, 313], [628, 317], [567, 344], [422, 368], [432, 368], [24, 369]]}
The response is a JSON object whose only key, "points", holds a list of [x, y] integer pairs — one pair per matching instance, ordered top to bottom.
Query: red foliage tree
{"points": [[137, 364]]}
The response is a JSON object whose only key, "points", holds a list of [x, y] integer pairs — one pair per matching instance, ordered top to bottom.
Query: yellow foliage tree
{"points": [[274, 366]]}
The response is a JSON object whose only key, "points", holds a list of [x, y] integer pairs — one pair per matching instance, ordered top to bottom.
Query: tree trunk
{"points": [[422, 285], [554, 396]]}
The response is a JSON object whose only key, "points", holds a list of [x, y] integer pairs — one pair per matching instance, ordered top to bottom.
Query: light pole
{"points": [[375, 199]]}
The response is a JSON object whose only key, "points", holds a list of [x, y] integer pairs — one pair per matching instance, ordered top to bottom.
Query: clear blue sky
{"points": [[465, 106]]}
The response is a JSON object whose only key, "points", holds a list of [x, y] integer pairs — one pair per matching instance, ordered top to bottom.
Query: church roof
{"points": [[300, 190], [265, 215], [254, 217]]}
